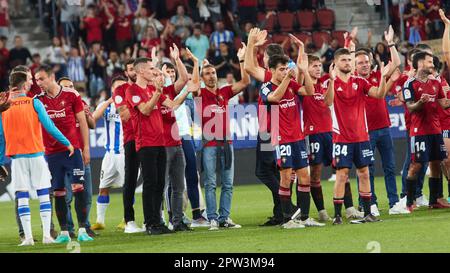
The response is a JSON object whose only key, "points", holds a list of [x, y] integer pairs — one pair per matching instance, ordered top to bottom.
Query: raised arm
{"points": [[446, 37], [395, 57], [250, 63], [181, 68], [245, 78], [308, 88], [381, 91], [329, 96]]}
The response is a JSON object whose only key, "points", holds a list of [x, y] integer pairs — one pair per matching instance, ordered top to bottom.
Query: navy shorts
{"points": [[428, 148], [320, 149], [345, 154], [292, 155], [60, 164]]}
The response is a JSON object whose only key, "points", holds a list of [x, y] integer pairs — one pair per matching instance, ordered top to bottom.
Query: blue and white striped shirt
{"points": [[221, 37], [75, 69], [113, 127]]}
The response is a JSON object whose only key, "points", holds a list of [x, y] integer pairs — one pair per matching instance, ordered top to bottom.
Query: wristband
{"points": [[241, 61]]}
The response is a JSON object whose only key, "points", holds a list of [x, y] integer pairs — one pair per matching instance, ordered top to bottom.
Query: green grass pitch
{"points": [[423, 231]]}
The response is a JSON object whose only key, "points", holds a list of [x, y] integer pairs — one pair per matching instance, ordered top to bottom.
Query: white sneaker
{"points": [[428, 172], [332, 178], [422, 201], [402, 202], [398, 208], [374, 210], [351, 212], [323, 216], [201, 222], [310, 222], [229, 224], [293, 224], [214, 225], [170, 226], [131, 227], [48, 240], [27, 242]]}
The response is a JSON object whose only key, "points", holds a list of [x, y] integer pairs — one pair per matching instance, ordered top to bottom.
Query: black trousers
{"points": [[153, 160], [267, 172], [131, 177]]}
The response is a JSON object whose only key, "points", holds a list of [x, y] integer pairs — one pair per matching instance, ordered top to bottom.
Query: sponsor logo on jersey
{"points": [[355, 86], [319, 97], [136, 99], [287, 103], [56, 114]]}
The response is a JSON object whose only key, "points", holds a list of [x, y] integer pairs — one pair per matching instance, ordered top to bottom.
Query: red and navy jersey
{"points": [[376, 109], [62, 110], [348, 110], [316, 113], [444, 114], [426, 120], [288, 128], [171, 131]]}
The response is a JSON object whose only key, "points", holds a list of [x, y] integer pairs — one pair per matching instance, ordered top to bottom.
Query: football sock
{"points": [[433, 183], [411, 185], [440, 192], [317, 195], [366, 197], [285, 198], [348, 199], [303, 200], [80, 206], [102, 206], [338, 206], [61, 208], [45, 209], [24, 212]]}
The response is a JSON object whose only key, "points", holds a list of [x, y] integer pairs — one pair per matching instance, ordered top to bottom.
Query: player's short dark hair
{"points": [[197, 26], [423, 47], [274, 49], [364, 49], [340, 52], [411, 53], [35, 55], [419, 56], [312, 58], [277, 59], [141, 60], [130, 61], [437, 63], [169, 66], [21, 68], [46, 68], [189, 68], [118, 78], [17, 79], [64, 79]]}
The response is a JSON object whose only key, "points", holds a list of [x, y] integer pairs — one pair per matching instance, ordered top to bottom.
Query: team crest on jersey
{"points": [[374, 80], [355, 86], [340, 89], [118, 99], [136, 99], [63, 103], [283, 159]]}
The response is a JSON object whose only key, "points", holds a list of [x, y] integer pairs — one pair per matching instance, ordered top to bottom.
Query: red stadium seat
{"points": [[271, 4], [326, 19], [306, 20], [286, 21], [270, 24], [339, 35], [303, 36], [318, 36], [280, 38]]}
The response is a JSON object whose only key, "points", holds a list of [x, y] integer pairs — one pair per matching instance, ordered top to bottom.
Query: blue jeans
{"points": [[96, 84], [381, 139], [209, 160], [420, 175], [88, 191]]}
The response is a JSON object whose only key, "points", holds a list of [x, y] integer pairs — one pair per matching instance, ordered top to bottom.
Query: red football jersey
{"points": [[396, 88], [119, 98], [376, 109], [62, 110], [348, 110], [316, 114], [444, 114], [215, 120], [425, 121], [288, 128], [149, 129], [171, 132], [80, 137]]}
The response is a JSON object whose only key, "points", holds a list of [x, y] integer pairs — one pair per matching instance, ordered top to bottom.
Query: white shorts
{"points": [[113, 171], [30, 174]]}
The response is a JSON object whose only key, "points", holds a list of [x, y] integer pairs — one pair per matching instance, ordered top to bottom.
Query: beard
{"points": [[345, 70]]}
